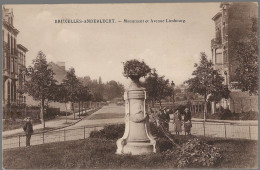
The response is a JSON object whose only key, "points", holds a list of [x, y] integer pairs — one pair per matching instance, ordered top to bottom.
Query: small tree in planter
{"points": [[135, 70]]}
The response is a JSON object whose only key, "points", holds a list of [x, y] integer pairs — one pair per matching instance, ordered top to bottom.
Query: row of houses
{"points": [[13, 61], [14, 66]]}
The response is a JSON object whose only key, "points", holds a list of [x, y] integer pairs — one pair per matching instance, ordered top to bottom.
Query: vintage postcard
{"points": [[130, 85]]}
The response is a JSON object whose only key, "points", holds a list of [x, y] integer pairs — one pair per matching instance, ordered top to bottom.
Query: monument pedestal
{"points": [[137, 139]]}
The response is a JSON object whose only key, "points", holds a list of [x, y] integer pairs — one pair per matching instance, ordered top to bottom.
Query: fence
{"points": [[244, 105], [225, 130], [49, 137]]}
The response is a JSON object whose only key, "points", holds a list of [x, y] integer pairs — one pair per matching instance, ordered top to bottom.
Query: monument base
{"points": [[136, 148]]}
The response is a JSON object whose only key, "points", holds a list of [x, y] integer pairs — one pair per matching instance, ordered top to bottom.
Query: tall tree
{"points": [[247, 55], [40, 82], [207, 82], [72, 86], [157, 87], [113, 89], [61, 95], [83, 95]]}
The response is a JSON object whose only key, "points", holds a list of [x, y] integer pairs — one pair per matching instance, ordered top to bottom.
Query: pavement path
{"points": [[113, 114], [57, 123]]}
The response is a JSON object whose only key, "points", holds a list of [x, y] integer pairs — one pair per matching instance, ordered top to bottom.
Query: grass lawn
{"points": [[108, 116], [12, 124], [100, 154]]}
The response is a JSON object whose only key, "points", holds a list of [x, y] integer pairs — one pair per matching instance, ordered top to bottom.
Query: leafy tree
{"points": [[247, 55], [40, 82], [207, 82], [71, 86], [157, 87], [96, 88], [113, 89], [83, 95], [61, 96]]}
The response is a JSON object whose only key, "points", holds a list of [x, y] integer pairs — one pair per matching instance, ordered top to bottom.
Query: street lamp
{"points": [[225, 72], [173, 85]]}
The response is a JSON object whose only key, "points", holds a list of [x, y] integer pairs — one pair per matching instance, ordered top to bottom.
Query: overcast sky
{"points": [[99, 49]]}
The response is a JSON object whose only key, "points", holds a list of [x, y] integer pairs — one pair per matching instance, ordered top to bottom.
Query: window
{"points": [[3, 35], [8, 41], [12, 45], [15, 45], [218, 56], [225, 56], [8, 62], [3, 64], [12, 65], [15, 65]]}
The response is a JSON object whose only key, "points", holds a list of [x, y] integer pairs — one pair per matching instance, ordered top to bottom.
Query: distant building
{"points": [[231, 25], [13, 62], [59, 70], [60, 73]]}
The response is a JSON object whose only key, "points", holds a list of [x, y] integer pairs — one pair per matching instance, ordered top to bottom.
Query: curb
{"points": [[15, 135]]}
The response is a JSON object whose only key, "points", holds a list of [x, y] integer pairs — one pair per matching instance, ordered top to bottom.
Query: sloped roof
{"points": [[60, 72]]}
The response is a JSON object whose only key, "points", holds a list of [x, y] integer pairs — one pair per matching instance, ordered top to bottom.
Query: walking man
{"points": [[187, 121], [28, 129]]}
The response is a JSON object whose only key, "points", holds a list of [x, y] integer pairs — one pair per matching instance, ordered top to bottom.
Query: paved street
{"points": [[113, 114], [58, 122]]}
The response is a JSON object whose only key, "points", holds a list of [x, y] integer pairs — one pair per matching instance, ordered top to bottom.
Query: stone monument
{"points": [[137, 139]]}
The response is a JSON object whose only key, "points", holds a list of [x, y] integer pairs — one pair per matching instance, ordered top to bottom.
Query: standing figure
{"points": [[166, 119], [187, 121], [177, 122], [28, 129]]}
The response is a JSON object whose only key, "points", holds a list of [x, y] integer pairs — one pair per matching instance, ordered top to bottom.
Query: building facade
{"points": [[231, 25], [13, 63], [59, 74]]}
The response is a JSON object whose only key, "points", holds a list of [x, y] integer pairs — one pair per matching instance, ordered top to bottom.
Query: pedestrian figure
{"points": [[160, 118], [166, 119], [187, 121], [177, 123], [28, 129]]}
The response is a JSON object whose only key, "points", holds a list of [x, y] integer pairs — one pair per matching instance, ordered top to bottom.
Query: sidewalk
{"points": [[251, 122], [57, 123]]}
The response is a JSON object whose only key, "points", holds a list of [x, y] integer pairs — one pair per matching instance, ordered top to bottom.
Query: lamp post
{"points": [[225, 72], [226, 83], [173, 85]]}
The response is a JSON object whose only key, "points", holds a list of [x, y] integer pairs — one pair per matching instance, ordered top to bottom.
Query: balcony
{"points": [[216, 43]]}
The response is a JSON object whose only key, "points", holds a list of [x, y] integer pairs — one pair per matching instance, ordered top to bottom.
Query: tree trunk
{"points": [[205, 107], [73, 109], [79, 109], [66, 111], [42, 113]]}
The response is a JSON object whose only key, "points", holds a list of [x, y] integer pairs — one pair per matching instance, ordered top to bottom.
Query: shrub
{"points": [[136, 68], [63, 113], [251, 115], [109, 132], [186, 153], [196, 153]]}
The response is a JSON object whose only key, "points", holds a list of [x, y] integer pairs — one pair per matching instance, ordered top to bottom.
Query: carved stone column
{"points": [[137, 139]]}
